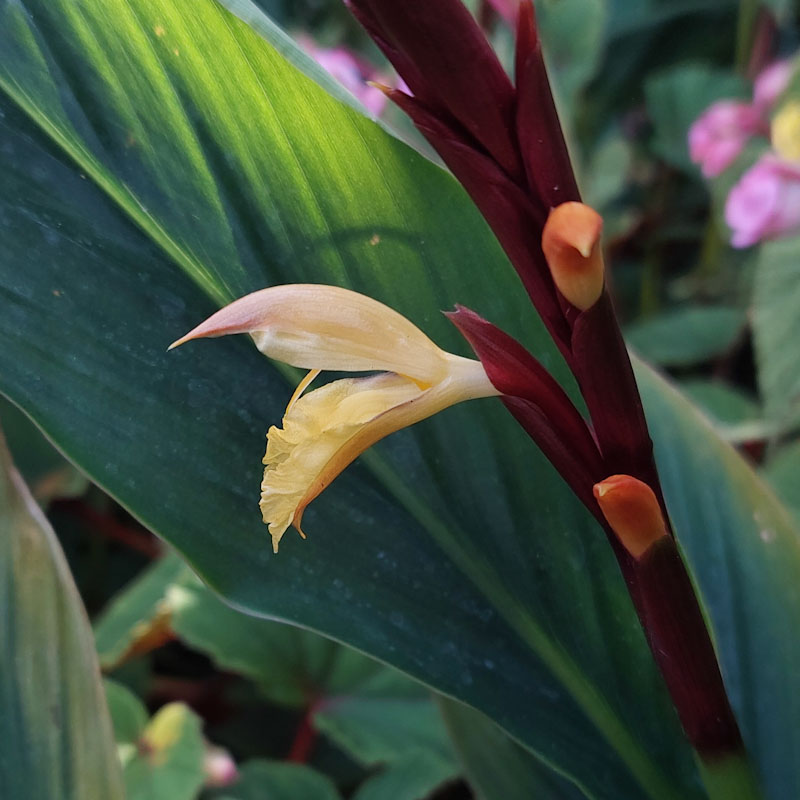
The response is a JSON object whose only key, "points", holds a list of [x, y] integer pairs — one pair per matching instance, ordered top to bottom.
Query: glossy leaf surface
{"points": [[776, 328], [743, 548], [55, 728], [497, 767], [277, 780]]}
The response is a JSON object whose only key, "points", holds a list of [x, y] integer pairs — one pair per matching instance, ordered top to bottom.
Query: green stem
{"points": [[748, 14], [710, 251], [730, 778]]}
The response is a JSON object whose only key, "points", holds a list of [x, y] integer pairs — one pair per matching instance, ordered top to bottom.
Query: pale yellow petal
{"points": [[327, 327], [315, 429], [327, 429]]}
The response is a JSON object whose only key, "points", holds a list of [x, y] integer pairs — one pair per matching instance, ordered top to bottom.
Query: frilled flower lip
{"points": [[334, 329]]}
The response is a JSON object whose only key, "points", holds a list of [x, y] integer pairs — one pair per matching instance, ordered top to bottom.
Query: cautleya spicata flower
{"points": [[329, 328]]}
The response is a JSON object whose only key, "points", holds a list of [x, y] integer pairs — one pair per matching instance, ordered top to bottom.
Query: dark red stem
{"points": [[505, 145], [304, 739]]}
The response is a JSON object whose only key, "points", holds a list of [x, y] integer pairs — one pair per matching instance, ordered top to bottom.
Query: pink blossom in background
{"points": [[507, 9], [351, 71], [771, 84], [720, 133], [765, 203], [219, 766]]}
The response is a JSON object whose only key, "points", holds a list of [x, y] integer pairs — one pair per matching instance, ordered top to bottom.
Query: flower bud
{"points": [[571, 245], [632, 510]]}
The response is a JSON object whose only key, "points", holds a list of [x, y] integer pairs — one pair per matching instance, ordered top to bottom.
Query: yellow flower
{"points": [[786, 131], [329, 328]]}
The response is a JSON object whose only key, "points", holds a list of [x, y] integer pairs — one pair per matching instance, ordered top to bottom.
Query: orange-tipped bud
{"points": [[571, 245], [632, 510]]}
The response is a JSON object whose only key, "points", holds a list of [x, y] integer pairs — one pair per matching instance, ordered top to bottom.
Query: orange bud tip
{"points": [[381, 87], [571, 245], [632, 510]]}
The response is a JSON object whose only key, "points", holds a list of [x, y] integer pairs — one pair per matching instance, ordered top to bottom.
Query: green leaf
{"points": [[573, 32], [676, 98], [607, 172], [147, 189], [776, 327], [686, 336], [724, 404], [42, 467], [782, 471], [741, 545], [134, 612], [290, 666], [351, 696], [373, 712], [128, 714], [386, 723], [54, 724], [162, 757], [165, 762], [497, 767], [411, 778], [274, 780]]}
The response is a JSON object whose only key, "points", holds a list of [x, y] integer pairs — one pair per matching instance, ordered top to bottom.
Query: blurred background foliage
{"points": [[210, 703]]}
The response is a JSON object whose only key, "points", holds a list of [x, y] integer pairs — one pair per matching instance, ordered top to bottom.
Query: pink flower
{"points": [[507, 9], [352, 72], [771, 84], [720, 133], [765, 203], [219, 767]]}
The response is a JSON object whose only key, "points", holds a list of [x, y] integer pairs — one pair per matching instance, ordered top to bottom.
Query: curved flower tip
{"points": [[571, 246], [312, 326], [329, 328], [632, 510]]}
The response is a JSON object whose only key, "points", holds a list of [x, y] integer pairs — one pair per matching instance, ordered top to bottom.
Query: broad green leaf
{"points": [[573, 33], [676, 98], [606, 174], [164, 190], [776, 327], [686, 336], [724, 404], [42, 467], [782, 471], [744, 550], [136, 611], [290, 666], [373, 712], [128, 714], [54, 725], [165, 761], [497, 767], [414, 777], [276, 780]]}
